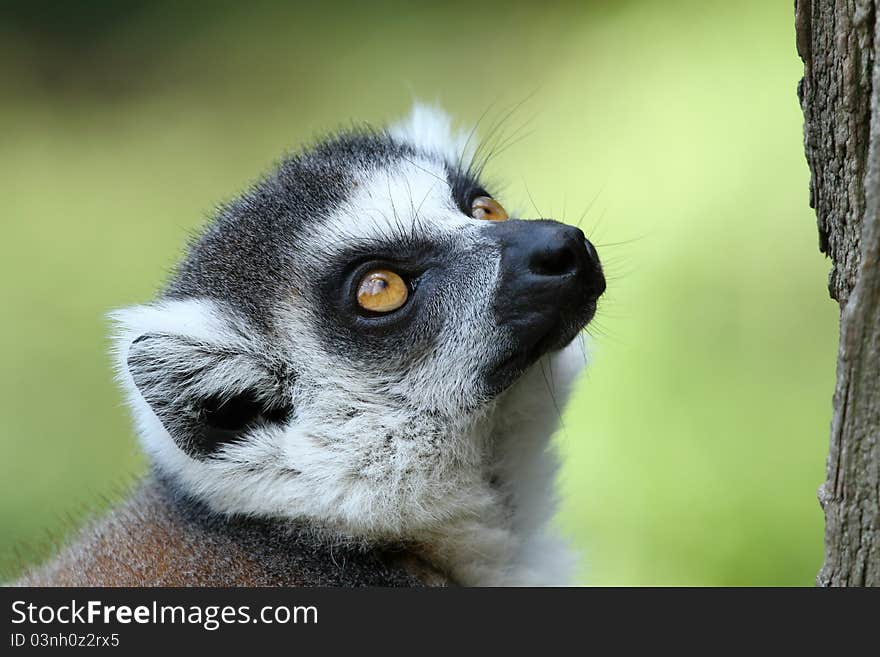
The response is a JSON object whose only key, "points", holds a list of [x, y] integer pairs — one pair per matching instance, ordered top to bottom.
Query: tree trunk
{"points": [[838, 41]]}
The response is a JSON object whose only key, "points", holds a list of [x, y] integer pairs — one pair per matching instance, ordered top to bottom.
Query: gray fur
{"points": [[252, 250]]}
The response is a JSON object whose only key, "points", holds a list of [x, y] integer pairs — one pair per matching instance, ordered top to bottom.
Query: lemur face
{"points": [[334, 345]]}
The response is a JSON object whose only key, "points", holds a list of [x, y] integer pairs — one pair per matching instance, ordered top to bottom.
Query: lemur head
{"points": [[334, 344]]}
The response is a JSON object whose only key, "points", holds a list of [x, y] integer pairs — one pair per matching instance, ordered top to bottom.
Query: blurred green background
{"points": [[693, 448]]}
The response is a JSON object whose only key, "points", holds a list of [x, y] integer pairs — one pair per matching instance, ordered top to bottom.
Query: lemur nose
{"points": [[559, 253], [547, 256]]}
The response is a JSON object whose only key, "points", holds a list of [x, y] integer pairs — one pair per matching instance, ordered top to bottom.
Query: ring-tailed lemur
{"points": [[352, 378]]}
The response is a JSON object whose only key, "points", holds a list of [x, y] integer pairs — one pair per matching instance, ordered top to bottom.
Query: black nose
{"points": [[558, 251], [546, 257], [550, 276], [548, 282]]}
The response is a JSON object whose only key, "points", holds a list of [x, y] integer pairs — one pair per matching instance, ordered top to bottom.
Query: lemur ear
{"points": [[429, 128], [203, 380]]}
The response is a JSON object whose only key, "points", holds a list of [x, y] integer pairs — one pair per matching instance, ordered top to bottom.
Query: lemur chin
{"points": [[352, 378]]}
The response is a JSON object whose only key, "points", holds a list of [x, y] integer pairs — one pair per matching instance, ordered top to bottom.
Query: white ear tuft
{"points": [[429, 128], [193, 318]]}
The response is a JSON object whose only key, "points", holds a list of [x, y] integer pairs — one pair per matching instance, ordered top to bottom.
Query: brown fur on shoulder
{"points": [[157, 538]]}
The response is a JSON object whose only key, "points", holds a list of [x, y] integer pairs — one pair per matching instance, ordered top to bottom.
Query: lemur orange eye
{"points": [[484, 207], [382, 291]]}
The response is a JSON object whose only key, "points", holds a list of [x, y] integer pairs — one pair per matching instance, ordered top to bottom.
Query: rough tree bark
{"points": [[838, 40]]}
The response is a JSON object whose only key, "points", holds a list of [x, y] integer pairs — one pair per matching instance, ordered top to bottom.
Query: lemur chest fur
{"points": [[158, 538]]}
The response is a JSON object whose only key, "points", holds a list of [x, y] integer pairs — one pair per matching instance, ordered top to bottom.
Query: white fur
{"points": [[429, 129], [414, 193]]}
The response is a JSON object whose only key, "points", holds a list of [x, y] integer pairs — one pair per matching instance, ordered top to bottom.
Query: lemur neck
{"points": [[159, 537]]}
